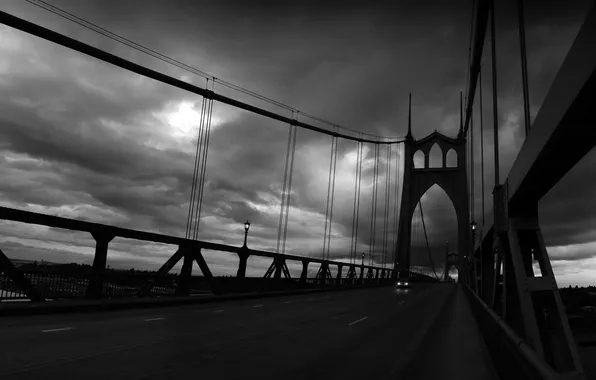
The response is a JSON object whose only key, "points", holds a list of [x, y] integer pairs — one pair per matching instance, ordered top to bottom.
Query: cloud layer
{"points": [[82, 139]]}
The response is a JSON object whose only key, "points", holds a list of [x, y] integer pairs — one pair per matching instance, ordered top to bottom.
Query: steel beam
{"points": [[563, 131], [7, 213], [165, 268], [19, 280]]}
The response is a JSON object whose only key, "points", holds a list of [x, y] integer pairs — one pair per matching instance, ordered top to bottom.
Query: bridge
{"points": [[325, 314]]}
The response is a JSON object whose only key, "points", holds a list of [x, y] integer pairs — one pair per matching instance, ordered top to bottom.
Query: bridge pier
{"points": [[339, 270], [304, 273]]}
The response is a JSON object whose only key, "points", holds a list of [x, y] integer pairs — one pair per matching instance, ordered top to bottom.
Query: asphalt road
{"points": [[366, 333]]}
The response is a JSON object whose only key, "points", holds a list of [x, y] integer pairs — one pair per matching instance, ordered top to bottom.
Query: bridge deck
{"points": [[367, 333], [453, 348]]}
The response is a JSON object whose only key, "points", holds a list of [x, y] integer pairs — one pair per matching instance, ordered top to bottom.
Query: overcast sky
{"points": [[82, 139]]}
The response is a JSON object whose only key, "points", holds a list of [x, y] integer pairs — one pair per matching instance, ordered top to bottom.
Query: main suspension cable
{"points": [[127, 42]]}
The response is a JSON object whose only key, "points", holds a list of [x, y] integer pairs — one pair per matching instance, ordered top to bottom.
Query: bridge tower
{"points": [[416, 181], [451, 259]]}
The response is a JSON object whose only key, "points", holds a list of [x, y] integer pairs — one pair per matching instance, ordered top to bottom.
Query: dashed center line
{"points": [[288, 302], [258, 306], [218, 311], [153, 319], [360, 320], [55, 330]]}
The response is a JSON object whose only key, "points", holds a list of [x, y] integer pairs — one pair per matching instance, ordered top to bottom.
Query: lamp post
{"points": [[246, 227], [362, 259]]}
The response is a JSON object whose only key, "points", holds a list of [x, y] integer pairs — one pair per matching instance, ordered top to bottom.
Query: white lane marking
{"points": [[288, 302], [258, 306], [218, 311], [153, 319], [360, 320], [54, 330]]}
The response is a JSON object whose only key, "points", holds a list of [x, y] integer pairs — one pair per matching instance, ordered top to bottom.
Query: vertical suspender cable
{"points": [[524, 64], [494, 80], [200, 143], [481, 145], [204, 166], [387, 188], [328, 193], [332, 196], [472, 197], [289, 198], [358, 201], [376, 202], [396, 205], [374, 207], [282, 208], [329, 208], [189, 221], [353, 243]]}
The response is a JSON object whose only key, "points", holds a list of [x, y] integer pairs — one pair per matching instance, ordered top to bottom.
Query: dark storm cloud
{"points": [[350, 63]]}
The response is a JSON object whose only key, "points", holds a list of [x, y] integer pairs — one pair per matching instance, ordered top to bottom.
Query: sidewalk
{"points": [[453, 347]]}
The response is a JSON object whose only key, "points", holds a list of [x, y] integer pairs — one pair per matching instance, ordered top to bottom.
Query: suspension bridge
{"points": [[320, 314]]}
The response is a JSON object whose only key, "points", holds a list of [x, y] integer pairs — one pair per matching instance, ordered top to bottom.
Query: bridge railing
{"points": [[98, 281], [513, 357]]}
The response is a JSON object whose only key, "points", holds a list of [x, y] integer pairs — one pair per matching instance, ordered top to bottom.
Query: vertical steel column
{"points": [[243, 260], [304, 273], [185, 274], [95, 288]]}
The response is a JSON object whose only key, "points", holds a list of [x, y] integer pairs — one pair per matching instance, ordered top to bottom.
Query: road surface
{"points": [[367, 334]]}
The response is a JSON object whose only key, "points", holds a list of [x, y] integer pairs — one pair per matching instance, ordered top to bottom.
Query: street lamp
{"points": [[246, 227], [362, 258]]}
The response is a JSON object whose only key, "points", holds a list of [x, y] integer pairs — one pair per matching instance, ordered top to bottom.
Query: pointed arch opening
{"points": [[435, 157], [451, 158], [419, 160], [440, 222], [452, 274]]}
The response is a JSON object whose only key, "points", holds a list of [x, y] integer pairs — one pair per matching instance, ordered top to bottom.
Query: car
{"points": [[403, 283]]}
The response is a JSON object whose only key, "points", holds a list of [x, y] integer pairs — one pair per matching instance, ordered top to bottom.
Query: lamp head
{"points": [[246, 226], [473, 226]]}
